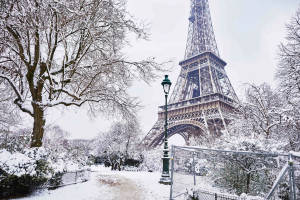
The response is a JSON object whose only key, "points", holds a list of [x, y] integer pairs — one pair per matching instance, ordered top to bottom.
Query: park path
{"points": [[105, 184], [130, 185], [121, 187]]}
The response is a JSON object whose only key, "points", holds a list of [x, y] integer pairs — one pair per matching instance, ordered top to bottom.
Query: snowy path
{"points": [[110, 185], [121, 187]]}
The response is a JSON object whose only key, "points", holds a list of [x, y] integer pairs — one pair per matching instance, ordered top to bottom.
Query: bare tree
{"points": [[69, 53], [288, 72], [262, 112], [259, 127], [119, 143]]}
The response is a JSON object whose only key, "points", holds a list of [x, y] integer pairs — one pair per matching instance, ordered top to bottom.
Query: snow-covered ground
{"points": [[110, 185]]}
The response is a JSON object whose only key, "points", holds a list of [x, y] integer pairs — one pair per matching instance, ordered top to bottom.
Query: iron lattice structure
{"points": [[201, 37], [203, 98]]}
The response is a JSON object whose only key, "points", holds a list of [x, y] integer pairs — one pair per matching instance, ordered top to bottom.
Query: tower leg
{"points": [[223, 120]]}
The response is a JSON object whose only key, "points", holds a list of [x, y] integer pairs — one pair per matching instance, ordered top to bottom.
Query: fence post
{"points": [[194, 168], [172, 170], [283, 171], [75, 176], [292, 178], [293, 181], [216, 196]]}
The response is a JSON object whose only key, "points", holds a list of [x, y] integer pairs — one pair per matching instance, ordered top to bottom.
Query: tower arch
{"points": [[186, 128]]}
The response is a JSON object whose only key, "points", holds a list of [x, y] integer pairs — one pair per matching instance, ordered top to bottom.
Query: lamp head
{"points": [[166, 83]]}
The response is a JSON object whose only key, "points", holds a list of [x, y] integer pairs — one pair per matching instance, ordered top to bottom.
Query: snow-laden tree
{"points": [[69, 53], [288, 72], [261, 113], [9, 115], [292, 126], [258, 127], [16, 140], [56, 143], [119, 143], [246, 173]]}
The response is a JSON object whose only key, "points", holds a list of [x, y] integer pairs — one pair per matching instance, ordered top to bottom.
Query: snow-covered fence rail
{"points": [[291, 170], [228, 172], [69, 178], [208, 195]]}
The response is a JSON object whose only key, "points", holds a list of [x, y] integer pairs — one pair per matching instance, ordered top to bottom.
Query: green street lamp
{"points": [[165, 177]]}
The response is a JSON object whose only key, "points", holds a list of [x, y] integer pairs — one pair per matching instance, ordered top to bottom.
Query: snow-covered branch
{"points": [[70, 53], [19, 100]]}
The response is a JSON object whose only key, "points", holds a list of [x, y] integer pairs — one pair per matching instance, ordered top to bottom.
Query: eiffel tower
{"points": [[203, 98]]}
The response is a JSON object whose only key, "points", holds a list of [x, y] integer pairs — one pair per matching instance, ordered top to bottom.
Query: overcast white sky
{"points": [[247, 33]]}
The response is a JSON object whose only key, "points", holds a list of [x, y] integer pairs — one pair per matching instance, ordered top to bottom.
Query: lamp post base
{"points": [[165, 180]]}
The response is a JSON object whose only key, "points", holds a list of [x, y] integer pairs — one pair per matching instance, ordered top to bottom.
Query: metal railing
{"points": [[263, 175], [69, 178]]}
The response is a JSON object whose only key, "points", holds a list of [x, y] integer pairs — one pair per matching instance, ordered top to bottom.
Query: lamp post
{"points": [[165, 177]]}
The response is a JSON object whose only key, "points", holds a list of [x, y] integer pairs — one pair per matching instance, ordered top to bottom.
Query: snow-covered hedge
{"points": [[26, 163], [22, 169], [21, 173]]}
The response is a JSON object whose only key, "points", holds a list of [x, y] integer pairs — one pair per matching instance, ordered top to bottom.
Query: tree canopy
{"points": [[69, 53]]}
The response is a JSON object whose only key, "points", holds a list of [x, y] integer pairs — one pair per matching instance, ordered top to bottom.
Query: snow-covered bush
{"points": [[258, 126], [15, 141], [119, 145], [65, 155], [152, 160], [22, 169], [21, 173], [245, 173], [191, 194]]}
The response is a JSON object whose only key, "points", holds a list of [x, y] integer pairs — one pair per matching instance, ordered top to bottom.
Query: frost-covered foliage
{"points": [[69, 53], [288, 74], [261, 114], [9, 115], [264, 120], [292, 126], [258, 127], [15, 141], [119, 144], [62, 153], [66, 155], [152, 160], [22, 163], [17, 164], [23, 169], [21, 173], [249, 174]]}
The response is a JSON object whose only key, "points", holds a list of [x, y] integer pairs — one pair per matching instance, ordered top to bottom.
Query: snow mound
{"points": [[17, 163]]}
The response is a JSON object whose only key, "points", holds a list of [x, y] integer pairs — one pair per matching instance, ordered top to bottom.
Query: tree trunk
{"points": [[38, 111], [38, 126], [248, 183]]}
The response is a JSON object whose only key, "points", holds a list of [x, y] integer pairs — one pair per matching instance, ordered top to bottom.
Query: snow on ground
{"points": [[182, 182], [148, 183], [110, 185]]}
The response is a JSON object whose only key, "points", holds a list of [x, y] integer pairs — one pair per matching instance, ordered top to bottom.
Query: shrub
{"points": [[152, 160], [21, 173], [56, 180]]}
